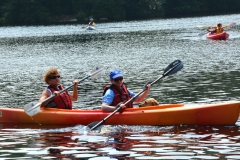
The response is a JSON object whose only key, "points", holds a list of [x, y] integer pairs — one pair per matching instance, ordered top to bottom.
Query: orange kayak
{"points": [[219, 36], [168, 114]]}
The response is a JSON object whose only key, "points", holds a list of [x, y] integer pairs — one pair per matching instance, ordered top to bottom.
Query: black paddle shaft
{"points": [[171, 69], [92, 74]]}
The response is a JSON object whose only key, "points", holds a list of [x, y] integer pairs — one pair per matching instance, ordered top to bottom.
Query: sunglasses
{"points": [[55, 77], [118, 79]]}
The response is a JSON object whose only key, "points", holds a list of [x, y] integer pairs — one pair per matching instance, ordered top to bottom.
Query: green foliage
{"points": [[188, 7], [111, 9], [24, 11], [42, 11], [81, 16]]}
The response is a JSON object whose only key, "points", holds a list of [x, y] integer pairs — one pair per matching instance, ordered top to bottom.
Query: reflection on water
{"points": [[141, 50], [123, 142]]}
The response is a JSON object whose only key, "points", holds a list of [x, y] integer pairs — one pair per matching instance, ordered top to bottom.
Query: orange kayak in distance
{"points": [[219, 36], [167, 114]]}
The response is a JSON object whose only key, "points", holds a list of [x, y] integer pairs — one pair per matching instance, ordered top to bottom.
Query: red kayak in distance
{"points": [[219, 36]]}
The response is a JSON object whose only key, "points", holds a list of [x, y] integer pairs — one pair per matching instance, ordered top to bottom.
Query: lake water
{"points": [[141, 50]]}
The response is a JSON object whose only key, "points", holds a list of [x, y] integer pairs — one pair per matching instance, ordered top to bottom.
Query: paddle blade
{"points": [[232, 25], [203, 27], [173, 68], [96, 71], [32, 108], [92, 125]]}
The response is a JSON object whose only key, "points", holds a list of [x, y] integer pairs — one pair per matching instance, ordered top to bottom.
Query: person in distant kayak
{"points": [[91, 23], [217, 30], [118, 92], [60, 101]]}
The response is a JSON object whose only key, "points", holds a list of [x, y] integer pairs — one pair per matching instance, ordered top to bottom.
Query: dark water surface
{"points": [[141, 50]]}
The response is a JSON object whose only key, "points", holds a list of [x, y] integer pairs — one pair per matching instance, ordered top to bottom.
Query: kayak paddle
{"points": [[205, 27], [228, 27], [171, 69], [33, 107]]}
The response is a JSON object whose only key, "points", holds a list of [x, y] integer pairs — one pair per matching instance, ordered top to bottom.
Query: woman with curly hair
{"points": [[62, 101]]}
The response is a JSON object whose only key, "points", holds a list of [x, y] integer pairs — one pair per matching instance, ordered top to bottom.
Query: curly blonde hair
{"points": [[51, 72]]}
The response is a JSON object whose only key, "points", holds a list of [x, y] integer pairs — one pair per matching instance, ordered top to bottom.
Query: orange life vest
{"points": [[218, 30], [121, 94], [63, 101]]}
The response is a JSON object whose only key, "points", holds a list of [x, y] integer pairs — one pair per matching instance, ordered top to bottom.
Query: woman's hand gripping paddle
{"points": [[171, 69], [33, 107]]}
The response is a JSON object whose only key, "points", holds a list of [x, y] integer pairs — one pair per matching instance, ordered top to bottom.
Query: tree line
{"points": [[18, 12]]}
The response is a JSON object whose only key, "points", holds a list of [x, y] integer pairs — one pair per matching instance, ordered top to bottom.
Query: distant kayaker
{"points": [[91, 23], [216, 30], [118, 92], [62, 101]]}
